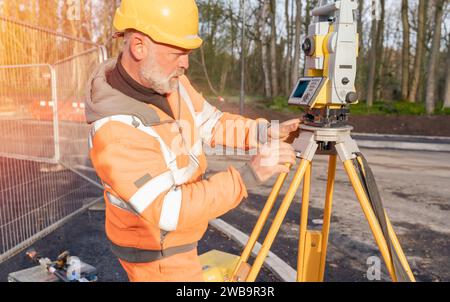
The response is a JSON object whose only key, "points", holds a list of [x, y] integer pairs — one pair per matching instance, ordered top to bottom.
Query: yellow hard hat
{"points": [[173, 22]]}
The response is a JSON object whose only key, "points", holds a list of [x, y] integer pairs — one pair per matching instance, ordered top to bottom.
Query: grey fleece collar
{"points": [[103, 101]]}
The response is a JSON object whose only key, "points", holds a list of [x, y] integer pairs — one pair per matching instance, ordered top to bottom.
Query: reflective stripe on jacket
{"points": [[152, 170]]}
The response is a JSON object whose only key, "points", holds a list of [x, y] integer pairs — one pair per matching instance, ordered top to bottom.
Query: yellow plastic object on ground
{"points": [[218, 266]]}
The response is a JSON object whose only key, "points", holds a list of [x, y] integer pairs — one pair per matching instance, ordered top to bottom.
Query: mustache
{"points": [[178, 73]]}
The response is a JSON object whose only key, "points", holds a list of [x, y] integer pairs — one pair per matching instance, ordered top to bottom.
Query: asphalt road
{"points": [[413, 185], [416, 194]]}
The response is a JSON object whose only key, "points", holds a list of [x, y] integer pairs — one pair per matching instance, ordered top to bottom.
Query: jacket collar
{"points": [[103, 101]]}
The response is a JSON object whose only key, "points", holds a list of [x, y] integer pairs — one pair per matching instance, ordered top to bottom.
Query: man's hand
{"points": [[282, 132], [272, 159]]}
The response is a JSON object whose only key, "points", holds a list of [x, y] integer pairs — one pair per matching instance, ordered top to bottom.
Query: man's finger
{"points": [[292, 124]]}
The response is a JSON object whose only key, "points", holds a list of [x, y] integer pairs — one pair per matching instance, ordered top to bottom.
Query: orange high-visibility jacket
{"points": [[152, 167]]}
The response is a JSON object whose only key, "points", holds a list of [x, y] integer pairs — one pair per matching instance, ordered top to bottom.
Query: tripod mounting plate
{"points": [[327, 118], [326, 132], [325, 141]]}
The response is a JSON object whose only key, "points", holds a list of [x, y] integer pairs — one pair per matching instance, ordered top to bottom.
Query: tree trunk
{"points": [[310, 5], [297, 46], [420, 46], [264, 47], [273, 48], [406, 50], [380, 53], [242, 55], [288, 58], [372, 64], [205, 71], [224, 75], [447, 84], [359, 85], [430, 99]]}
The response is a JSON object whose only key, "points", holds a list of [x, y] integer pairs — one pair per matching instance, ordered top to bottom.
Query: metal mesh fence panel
{"points": [[72, 74], [27, 127], [45, 174]]}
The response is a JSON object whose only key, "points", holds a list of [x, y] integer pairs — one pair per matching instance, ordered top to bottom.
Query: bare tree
{"points": [[265, 5], [310, 5], [420, 47], [273, 48], [297, 48], [361, 48], [405, 50], [380, 52], [274, 53], [288, 57], [227, 62], [372, 63], [205, 70], [447, 81], [447, 89], [430, 100]]}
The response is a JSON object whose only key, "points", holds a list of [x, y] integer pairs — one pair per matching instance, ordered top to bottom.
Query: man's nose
{"points": [[184, 61]]}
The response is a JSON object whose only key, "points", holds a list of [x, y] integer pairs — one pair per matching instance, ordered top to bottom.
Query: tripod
{"points": [[334, 142]]}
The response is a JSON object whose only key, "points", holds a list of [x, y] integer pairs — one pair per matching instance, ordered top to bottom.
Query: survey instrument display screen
{"points": [[301, 89], [306, 91]]}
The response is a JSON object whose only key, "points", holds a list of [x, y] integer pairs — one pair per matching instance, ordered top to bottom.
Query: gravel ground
{"points": [[84, 237]]}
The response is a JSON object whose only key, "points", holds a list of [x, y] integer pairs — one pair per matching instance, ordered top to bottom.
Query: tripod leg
{"points": [[327, 214], [370, 216], [278, 220], [259, 225], [303, 225], [313, 244], [399, 249]]}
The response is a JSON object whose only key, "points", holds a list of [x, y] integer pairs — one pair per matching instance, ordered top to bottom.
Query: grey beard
{"points": [[154, 78], [154, 82]]}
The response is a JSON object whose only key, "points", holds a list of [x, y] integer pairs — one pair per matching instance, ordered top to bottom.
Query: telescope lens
{"points": [[308, 47], [351, 98]]}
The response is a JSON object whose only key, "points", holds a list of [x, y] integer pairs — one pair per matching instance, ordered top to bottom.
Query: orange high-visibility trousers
{"points": [[184, 267]]}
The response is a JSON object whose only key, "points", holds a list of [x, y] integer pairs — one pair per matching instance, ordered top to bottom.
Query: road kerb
{"points": [[274, 263]]}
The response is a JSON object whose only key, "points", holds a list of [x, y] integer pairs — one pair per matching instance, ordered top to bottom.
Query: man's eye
{"points": [[179, 54]]}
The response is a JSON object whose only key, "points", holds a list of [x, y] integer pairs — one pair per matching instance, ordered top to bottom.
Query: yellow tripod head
{"points": [[331, 49]]}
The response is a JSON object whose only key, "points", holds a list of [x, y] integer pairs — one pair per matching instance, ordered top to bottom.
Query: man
{"points": [[148, 129]]}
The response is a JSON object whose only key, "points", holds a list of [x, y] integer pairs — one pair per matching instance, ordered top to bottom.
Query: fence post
{"points": [[57, 155]]}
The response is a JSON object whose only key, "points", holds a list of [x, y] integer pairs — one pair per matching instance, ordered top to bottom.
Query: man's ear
{"points": [[138, 48]]}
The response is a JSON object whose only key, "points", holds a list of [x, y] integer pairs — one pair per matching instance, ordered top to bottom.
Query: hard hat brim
{"points": [[122, 23]]}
